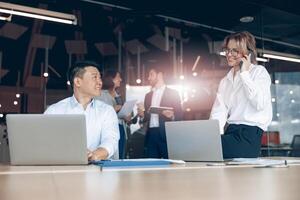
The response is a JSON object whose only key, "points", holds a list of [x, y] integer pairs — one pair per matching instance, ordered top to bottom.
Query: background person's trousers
{"points": [[156, 144]]}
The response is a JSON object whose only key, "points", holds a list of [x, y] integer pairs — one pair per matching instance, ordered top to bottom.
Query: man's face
{"points": [[233, 55], [152, 77], [90, 83]]}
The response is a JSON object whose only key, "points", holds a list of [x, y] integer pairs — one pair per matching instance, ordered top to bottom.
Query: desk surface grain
{"points": [[194, 181]]}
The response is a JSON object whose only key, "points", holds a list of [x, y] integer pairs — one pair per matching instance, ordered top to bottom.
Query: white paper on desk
{"points": [[127, 108], [157, 159], [255, 161]]}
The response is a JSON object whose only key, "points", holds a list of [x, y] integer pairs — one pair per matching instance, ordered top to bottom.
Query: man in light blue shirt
{"points": [[101, 119]]}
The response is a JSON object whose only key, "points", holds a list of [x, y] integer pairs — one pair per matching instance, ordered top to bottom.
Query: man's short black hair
{"points": [[78, 69], [159, 69]]}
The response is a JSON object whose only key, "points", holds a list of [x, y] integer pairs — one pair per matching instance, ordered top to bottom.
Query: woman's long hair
{"points": [[107, 79]]}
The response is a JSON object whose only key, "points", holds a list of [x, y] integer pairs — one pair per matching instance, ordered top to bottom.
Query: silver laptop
{"points": [[37, 139], [197, 140]]}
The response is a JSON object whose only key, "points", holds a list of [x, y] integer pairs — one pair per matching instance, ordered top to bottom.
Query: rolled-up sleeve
{"points": [[110, 132]]}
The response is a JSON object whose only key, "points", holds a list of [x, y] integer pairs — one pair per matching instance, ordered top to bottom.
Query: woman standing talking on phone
{"points": [[243, 100]]}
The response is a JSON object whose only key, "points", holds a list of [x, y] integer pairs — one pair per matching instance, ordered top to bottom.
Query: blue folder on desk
{"points": [[136, 162]]}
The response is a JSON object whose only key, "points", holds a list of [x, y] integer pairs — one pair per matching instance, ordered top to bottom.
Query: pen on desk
{"points": [[280, 165]]}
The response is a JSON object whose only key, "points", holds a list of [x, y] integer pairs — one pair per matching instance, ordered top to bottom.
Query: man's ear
{"points": [[77, 82]]}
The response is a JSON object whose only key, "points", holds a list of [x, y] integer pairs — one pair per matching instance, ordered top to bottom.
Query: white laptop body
{"points": [[38, 139], [197, 140]]}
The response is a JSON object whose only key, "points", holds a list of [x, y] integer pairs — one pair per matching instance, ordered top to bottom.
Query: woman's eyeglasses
{"points": [[233, 52]]}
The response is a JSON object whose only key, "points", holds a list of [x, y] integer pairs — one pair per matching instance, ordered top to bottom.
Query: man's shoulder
{"points": [[171, 91], [148, 94], [61, 105], [102, 106], [105, 110]]}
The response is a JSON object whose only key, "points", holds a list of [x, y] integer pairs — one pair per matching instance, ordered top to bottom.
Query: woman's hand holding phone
{"points": [[245, 63]]}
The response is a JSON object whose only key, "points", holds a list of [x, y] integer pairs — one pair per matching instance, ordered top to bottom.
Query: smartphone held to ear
{"points": [[241, 64]]}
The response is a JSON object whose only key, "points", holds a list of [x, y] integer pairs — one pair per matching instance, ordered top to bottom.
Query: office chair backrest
{"points": [[270, 138], [295, 146]]}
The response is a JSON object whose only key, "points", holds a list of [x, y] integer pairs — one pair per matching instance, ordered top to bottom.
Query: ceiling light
{"points": [[37, 13], [5, 18], [246, 19], [222, 53], [281, 57], [262, 59], [196, 62], [195, 73], [45, 74], [181, 77], [138, 81], [276, 81], [18, 95], [273, 100], [15, 103], [295, 121]]}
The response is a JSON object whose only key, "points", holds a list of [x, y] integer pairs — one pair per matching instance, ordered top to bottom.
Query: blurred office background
{"points": [[132, 36]]}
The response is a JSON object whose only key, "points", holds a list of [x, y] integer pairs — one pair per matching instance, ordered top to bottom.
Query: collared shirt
{"points": [[244, 99], [155, 101], [101, 122]]}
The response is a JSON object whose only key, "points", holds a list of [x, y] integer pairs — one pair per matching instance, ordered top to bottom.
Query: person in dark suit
{"points": [[159, 96]]}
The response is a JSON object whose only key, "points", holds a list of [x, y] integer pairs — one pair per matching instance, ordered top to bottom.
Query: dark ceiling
{"points": [[277, 22]]}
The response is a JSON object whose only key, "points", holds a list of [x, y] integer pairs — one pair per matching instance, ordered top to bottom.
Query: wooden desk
{"points": [[194, 181]]}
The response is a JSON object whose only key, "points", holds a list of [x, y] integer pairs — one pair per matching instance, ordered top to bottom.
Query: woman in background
{"points": [[111, 83]]}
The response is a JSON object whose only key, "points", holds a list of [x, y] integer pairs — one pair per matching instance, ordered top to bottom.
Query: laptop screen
{"points": [[37, 139], [197, 140]]}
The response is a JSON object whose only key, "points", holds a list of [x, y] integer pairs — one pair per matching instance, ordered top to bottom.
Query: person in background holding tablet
{"points": [[109, 95], [160, 96], [243, 99], [101, 119]]}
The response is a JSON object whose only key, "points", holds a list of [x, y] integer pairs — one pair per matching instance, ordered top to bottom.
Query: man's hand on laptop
{"points": [[98, 154]]}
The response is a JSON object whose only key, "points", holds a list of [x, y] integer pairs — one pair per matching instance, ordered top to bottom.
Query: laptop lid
{"points": [[38, 139], [197, 140]]}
